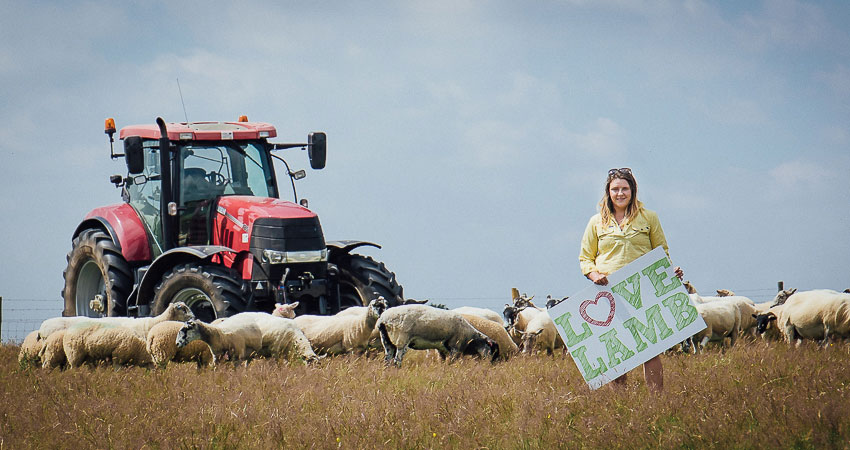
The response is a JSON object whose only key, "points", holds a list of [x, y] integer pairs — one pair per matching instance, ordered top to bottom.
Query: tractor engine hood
{"points": [[241, 212]]}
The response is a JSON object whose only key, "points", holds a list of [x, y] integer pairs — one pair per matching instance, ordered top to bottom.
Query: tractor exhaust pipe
{"points": [[166, 188]]}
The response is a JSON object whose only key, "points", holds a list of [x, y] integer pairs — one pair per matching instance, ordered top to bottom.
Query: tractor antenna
{"points": [[181, 101]]}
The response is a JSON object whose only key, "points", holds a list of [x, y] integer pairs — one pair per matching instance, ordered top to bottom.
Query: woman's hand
{"points": [[679, 274], [598, 278]]}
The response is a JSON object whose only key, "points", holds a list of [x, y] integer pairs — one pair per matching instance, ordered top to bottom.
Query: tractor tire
{"points": [[98, 279], [362, 279], [211, 291]]}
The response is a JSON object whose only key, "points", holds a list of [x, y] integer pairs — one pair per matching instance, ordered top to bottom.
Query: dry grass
{"points": [[757, 395]]}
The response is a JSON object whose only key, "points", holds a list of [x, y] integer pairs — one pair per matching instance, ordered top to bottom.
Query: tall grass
{"points": [[756, 395]]}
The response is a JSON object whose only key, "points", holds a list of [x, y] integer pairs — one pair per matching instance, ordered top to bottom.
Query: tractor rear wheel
{"points": [[97, 279], [362, 279], [210, 291]]}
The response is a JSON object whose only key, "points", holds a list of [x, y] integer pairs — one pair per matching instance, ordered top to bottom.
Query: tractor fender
{"points": [[123, 225], [338, 248], [144, 293]]}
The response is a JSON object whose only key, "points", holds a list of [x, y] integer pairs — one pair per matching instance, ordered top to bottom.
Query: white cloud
{"points": [[605, 139], [802, 175]]}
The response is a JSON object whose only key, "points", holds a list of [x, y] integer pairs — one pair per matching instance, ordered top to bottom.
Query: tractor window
{"points": [[212, 170], [145, 195]]}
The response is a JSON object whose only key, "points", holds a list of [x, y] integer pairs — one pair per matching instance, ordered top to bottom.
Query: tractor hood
{"points": [[245, 210]]}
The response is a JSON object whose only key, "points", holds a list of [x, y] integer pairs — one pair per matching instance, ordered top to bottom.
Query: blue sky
{"points": [[470, 139]]}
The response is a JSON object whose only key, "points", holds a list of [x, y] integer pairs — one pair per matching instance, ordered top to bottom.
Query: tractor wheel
{"points": [[98, 279], [362, 279], [210, 291]]}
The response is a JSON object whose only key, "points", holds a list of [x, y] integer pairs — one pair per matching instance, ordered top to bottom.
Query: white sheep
{"points": [[175, 311], [287, 311], [480, 312], [817, 314], [722, 320], [422, 327], [532, 329], [496, 332], [342, 333], [279, 337], [94, 341], [239, 342], [161, 343], [30, 348], [52, 353]]}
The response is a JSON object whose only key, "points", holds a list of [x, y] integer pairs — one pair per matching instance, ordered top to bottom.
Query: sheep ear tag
{"points": [[582, 309]]}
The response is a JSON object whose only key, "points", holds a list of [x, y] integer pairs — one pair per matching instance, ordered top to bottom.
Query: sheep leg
{"points": [[826, 333], [399, 355]]}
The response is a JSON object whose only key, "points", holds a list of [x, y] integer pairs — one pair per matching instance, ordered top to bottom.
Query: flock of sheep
{"points": [[176, 336]]}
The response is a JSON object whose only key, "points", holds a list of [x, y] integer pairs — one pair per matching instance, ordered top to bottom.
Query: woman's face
{"points": [[620, 193]]}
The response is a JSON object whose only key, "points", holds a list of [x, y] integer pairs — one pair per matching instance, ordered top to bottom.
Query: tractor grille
{"points": [[286, 235]]}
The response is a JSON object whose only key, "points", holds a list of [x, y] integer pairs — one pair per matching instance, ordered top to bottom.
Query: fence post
{"points": [[780, 286]]}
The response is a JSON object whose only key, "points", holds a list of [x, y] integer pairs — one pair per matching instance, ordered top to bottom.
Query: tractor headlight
{"points": [[279, 257]]}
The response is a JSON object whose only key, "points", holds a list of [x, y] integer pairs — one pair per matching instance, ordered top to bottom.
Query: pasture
{"points": [[756, 395]]}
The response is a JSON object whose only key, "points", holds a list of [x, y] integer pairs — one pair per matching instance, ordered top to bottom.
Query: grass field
{"points": [[756, 395]]}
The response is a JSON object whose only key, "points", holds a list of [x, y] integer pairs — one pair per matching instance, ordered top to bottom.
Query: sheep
{"points": [[175, 311], [287, 311], [480, 312], [817, 314], [722, 320], [765, 322], [49, 326], [423, 327], [531, 328], [496, 332], [342, 333], [278, 337], [93, 341], [239, 342], [161, 343], [30, 348], [52, 353]]}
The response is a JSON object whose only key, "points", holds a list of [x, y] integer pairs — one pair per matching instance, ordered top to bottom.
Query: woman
{"points": [[622, 231]]}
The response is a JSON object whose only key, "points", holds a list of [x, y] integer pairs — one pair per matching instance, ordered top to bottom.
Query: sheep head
{"points": [[690, 287], [725, 293], [782, 296], [378, 306], [178, 311], [287, 311], [510, 314], [763, 321], [187, 333]]}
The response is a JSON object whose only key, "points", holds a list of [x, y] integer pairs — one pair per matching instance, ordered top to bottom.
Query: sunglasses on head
{"points": [[623, 171]]}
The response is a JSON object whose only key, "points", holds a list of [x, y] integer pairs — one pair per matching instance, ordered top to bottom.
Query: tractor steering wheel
{"points": [[216, 178]]}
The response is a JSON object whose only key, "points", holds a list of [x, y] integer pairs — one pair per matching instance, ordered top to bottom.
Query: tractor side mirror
{"points": [[317, 149], [134, 154]]}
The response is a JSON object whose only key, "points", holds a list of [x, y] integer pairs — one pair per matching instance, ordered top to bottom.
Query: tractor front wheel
{"points": [[97, 279], [362, 279], [210, 291]]}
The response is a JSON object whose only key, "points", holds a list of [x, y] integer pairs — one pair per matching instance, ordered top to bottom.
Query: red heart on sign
{"points": [[588, 319]]}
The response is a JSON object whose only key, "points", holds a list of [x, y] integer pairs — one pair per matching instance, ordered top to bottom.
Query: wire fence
{"points": [[21, 316]]}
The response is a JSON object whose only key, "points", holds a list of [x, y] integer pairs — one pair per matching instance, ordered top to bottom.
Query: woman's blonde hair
{"points": [[606, 206]]}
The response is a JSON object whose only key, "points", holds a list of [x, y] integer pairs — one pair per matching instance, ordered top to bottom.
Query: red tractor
{"points": [[202, 222]]}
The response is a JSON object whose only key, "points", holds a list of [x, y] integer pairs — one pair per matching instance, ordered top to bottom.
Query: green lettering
{"points": [[657, 279], [632, 297], [680, 306], [653, 320], [572, 337], [614, 346], [589, 371]]}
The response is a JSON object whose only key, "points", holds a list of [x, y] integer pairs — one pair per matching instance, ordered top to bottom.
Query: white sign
{"points": [[643, 311]]}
